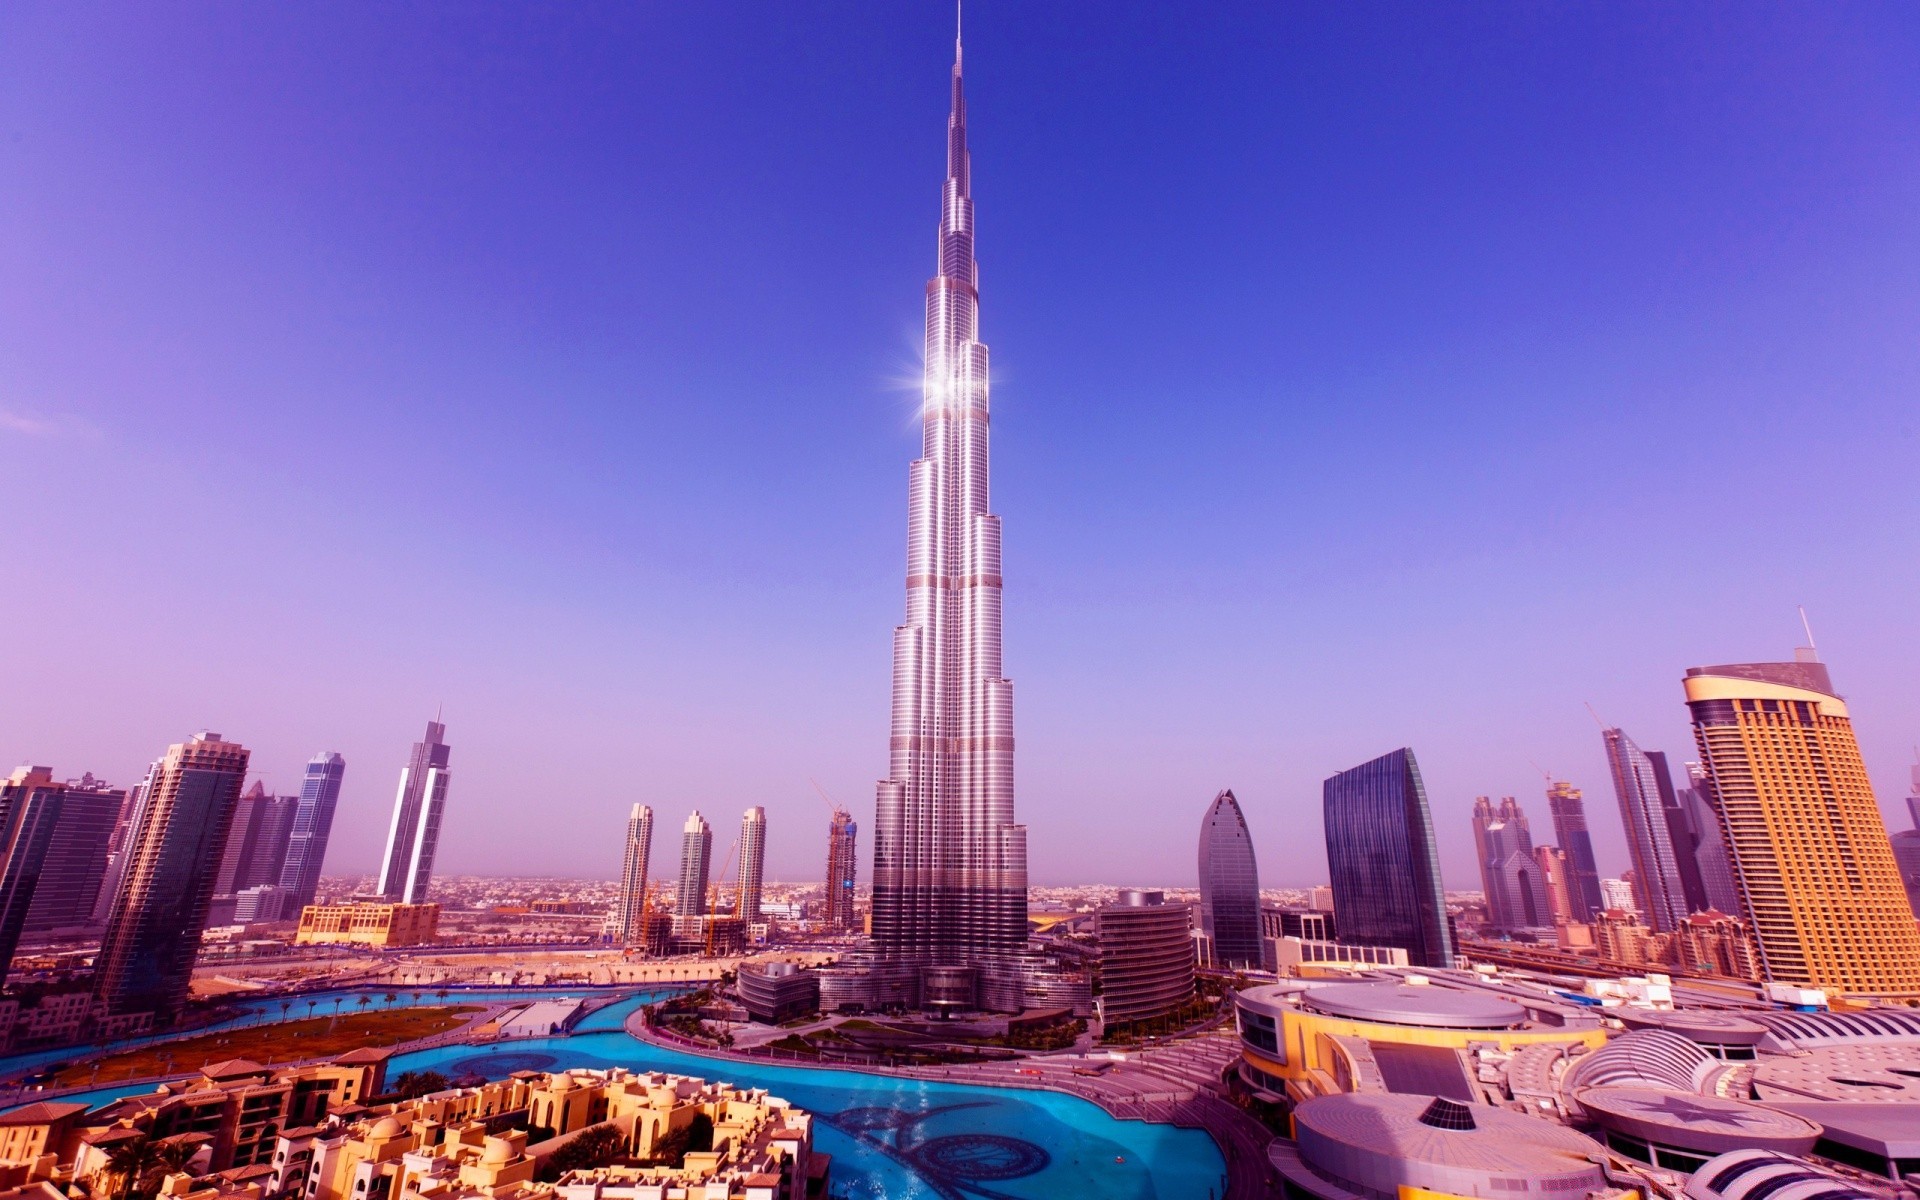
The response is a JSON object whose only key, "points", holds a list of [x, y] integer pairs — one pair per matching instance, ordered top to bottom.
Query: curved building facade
{"points": [[1383, 862], [1229, 886], [1146, 957]]}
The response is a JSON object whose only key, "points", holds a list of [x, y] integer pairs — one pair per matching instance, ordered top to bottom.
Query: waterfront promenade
{"points": [[1174, 1084]]}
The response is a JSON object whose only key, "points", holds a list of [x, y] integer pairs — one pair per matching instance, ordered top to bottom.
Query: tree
{"points": [[391, 997], [363, 1002], [311, 1005], [286, 1006], [411, 1085], [129, 1161]]}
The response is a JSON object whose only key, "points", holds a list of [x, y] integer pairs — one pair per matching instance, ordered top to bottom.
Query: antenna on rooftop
{"points": [[1806, 625]]}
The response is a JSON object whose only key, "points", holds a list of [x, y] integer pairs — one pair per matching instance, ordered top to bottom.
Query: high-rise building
{"points": [[418, 807], [29, 809], [1569, 811], [131, 814], [312, 826], [1680, 833], [257, 846], [842, 847], [1709, 847], [1809, 848], [1906, 848], [696, 855], [75, 861], [949, 861], [753, 864], [1384, 864], [1656, 869], [1553, 872], [1509, 873], [1229, 886], [1620, 895], [631, 927], [1146, 957], [145, 962]]}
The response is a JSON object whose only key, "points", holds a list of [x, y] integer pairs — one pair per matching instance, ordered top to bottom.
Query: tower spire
{"points": [[956, 32]]}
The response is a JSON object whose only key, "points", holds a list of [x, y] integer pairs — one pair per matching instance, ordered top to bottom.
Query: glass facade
{"points": [[1569, 811], [312, 826], [414, 836], [1381, 857], [1656, 868], [1229, 886]]}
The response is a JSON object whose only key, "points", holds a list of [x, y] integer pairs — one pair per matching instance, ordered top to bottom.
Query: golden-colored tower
{"points": [[1808, 847]]}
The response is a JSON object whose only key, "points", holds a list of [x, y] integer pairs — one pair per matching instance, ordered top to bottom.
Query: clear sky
{"points": [[1366, 375]]}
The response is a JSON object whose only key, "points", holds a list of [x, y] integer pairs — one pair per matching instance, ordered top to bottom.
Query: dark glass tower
{"points": [[30, 805], [1643, 812], [312, 826], [1570, 829], [842, 842], [76, 858], [1382, 860], [1229, 886], [146, 959]]}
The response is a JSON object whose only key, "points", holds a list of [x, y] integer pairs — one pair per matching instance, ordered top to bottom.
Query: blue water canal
{"points": [[890, 1138]]}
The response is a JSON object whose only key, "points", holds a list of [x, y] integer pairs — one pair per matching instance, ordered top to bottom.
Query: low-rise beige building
{"points": [[368, 924]]}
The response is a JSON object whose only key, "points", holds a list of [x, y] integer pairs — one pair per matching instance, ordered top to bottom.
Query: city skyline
{"points": [[1516, 614]]}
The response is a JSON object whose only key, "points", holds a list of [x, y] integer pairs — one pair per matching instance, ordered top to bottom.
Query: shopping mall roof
{"points": [[1412, 1004], [1704, 1124]]}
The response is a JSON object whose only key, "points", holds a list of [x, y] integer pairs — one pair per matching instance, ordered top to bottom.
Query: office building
{"points": [[418, 808], [29, 809], [1569, 811], [131, 814], [312, 826], [1683, 836], [257, 846], [1709, 847], [1809, 848], [1906, 848], [696, 855], [842, 859], [949, 859], [74, 864], [753, 865], [1656, 870], [1553, 873], [1510, 874], [1229, 887], [1387, 889], [1619, 895], [263, 902], [630, 927], [1146, 957], [146, 958], [773, 992]]}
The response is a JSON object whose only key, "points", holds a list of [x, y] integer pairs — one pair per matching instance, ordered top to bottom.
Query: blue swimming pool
{"points": [[896, 1139]]}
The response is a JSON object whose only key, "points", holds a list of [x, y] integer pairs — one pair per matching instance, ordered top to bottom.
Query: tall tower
{"points": [[30, 805], [1569, 811], [312, 826], [414, 835], [842, 841], [257, 847], [1809, 848], [696, 853], [1383, 862], [753, 863], [949, 863], [1656, 868], [70, 869], [1230, 886], [1516, 890], [632, 930], [146, 959]]}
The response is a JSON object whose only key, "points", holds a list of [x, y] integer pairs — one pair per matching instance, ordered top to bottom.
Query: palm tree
{"points": [[441, 995], [391, 997], [416, 997], [311, 1005], [286, 1006], [129, 1162]]}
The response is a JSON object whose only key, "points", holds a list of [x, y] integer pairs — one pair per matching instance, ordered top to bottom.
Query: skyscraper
{"points": [[29, 808], [312, 826], [1570, 830], [1680, 832], [121, 844], [257, 846], [842, 846], [1709, 846], [1906, 848], [1810, 851], [696, 854], [1382, 860], [75, 862], [949, 862], [753, 863], [407, 868], [1656, 870], [1553, 872], [1230, 886], [1515, 888], [632, 922], [146, 958]]}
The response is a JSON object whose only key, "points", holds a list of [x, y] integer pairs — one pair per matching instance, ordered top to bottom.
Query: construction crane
{"points": [[713, 892]]}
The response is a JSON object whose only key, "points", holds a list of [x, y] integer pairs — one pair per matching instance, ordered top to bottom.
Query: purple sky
{"points": [[1365, 376]]}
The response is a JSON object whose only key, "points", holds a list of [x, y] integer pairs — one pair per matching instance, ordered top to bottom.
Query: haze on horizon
{"points": [[1364, 377]]}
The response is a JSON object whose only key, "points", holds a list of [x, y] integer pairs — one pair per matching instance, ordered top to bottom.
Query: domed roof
{"points": [[387, 1127], [498, 1151]]}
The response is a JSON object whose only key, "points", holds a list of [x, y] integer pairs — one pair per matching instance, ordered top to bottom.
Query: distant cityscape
{"points": [[196, 1009]]}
